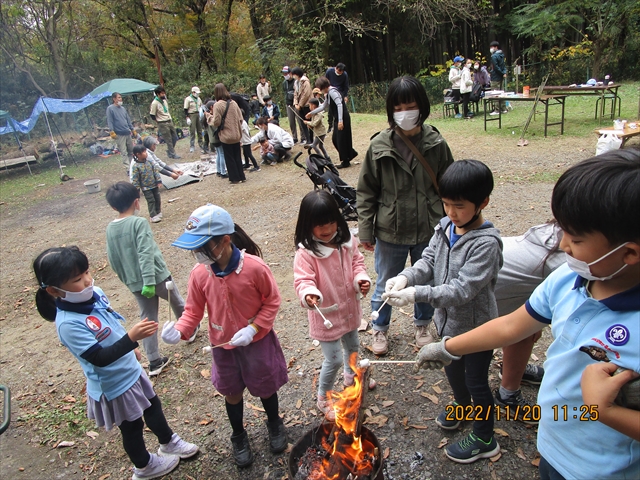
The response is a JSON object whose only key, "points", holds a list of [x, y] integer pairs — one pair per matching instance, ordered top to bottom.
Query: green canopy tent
{"points": [[126, 86], [4, 115]]}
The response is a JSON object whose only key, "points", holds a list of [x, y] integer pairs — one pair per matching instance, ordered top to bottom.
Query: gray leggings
{"points": [[149, 309], [336, 354]]}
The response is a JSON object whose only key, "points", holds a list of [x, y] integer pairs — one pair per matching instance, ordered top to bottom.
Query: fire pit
{"points": [[345, 450]]}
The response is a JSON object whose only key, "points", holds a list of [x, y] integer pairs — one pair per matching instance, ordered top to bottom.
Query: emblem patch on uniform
{"points": [[104, 299], [93, 323], [618, 334], [100, 336]]}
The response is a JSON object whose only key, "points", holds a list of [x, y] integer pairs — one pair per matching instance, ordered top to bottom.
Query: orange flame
{"points": [[358, 458]]}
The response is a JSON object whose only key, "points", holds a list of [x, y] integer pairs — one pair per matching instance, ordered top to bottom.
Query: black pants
{"points": [[455, 93], [465, 103], [305, 132], [246, 151], [281, 152], [233, 159], [153, 201], [469, 379], [132, 438], [547, 472]]}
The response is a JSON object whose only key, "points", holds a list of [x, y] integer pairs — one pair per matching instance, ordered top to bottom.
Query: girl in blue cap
{"points": [[242, 299]]}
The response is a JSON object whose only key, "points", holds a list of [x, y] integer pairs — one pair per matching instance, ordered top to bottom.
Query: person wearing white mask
{"points": [[397, 197]]}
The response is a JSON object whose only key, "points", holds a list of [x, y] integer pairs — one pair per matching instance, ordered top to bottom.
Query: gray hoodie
{"points": [[459, 281]]}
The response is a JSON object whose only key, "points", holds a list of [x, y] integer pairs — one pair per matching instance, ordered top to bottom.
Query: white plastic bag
{"points": [[188, 122], [607, 142]]}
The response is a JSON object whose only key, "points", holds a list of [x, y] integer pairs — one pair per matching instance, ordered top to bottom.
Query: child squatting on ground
{"points": [[145, 177], [135, 257], [462, 262], [329, 272], [242, 299], [592, 304], [118, 391]]}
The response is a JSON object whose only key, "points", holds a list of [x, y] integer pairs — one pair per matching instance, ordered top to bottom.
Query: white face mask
{"points": [[492, 50], [476, 67], [287, 77], [196, 94], [119, 103], [407, 120], [325, 241], [204, 259], [582, 268], [79, 297]]}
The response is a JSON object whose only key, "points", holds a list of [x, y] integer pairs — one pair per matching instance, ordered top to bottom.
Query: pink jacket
{"points": [[334, 278], [249, 293]]}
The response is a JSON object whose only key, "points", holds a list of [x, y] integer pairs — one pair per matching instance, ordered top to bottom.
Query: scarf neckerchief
{"points": [[164, 107]]}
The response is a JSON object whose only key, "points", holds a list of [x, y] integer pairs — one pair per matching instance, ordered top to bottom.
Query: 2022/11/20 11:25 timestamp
{"points": [[584, 413]]}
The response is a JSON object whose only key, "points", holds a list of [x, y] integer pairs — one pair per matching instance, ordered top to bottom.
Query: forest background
{"points": [[65, 48]]}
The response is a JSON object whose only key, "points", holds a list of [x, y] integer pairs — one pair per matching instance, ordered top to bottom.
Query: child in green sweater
{"points": [[138, 262]]}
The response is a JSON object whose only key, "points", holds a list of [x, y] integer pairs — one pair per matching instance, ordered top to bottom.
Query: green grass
{"points": [[53, 422]]}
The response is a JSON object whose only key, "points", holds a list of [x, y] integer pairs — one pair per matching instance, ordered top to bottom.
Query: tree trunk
{"points": [[225, 35]]}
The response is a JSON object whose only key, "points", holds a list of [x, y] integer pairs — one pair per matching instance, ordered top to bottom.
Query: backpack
{"points": [[477, 92]]}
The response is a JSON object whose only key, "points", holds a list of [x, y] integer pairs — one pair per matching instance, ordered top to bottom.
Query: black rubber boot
{"points": [[344, 165], [277, 436], [242, 454]]}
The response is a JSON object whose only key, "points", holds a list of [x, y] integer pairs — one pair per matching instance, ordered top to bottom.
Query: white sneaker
{"points": [[494, 113], [191, 150], [159, 215], [156, 219], [192, 338], [178, 447], [158, 466]]}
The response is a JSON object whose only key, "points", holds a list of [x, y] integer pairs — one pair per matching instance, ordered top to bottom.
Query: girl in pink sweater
{"points": [[329, 275], [242, 299]]}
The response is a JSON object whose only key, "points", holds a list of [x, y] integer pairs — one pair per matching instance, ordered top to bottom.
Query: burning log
{"points": [[345, 450]]}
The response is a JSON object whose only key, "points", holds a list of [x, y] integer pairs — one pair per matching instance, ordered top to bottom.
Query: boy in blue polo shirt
{"points": [[593, 306]]}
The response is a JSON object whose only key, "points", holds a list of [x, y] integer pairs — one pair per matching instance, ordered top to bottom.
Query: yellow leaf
{"points": [[431, 397], [299, 403], [419, 427], [500, 432], [443, 442], [496, 458]]}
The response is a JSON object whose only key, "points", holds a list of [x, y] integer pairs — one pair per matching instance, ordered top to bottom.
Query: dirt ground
{"points": [[47, 383]]}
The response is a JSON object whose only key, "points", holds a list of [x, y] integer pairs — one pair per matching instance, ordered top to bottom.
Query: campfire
{"points": [[345, 450]]}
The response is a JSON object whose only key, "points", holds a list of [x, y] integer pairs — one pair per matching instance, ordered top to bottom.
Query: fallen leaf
{"points": [[364, 324], [534, 357], [292, 360], [206, 373], [420, 383], [436, 389], [431, 397], [69, 399], [299, 403], [387, 403], [253, 407], [375, 409], [405, 420], [205, 422], [419, 427], [500, 432], [92, 434], [443, 442], [65, 444], [386, 452], [520, 454], [496, 458], [536, 462], [105, 476]]}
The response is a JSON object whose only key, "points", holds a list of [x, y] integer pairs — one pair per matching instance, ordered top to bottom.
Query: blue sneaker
{"points": [[458, 115], [449, 419], [472, 448]]}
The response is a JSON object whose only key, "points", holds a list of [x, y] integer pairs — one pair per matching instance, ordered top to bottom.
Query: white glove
{"points": [[188, 122], [396, 283], [401, 298], [169, 334], [243, 337], [434, 356]]}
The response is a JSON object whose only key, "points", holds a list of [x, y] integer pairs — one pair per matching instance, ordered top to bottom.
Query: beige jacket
{"points": [[262, 90], [302, 94], [232, 131]]}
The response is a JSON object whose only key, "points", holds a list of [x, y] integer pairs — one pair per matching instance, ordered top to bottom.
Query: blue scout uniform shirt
{"points": [[88, 325], [578, 447]]}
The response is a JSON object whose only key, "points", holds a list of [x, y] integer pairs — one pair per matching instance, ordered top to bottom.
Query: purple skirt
{"points": [[260, 367], [129, 406]]}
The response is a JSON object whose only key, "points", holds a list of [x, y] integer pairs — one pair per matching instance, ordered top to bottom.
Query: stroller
{"points": [[324, 174]]}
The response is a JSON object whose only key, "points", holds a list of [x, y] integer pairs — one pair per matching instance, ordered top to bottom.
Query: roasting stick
{"points": [[303, 119], [376, 314], [327, 323], [209, 348], [365, 362]]}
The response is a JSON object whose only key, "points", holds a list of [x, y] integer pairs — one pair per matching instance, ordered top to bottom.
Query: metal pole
{"points": [[15, 134], [53, 142]]}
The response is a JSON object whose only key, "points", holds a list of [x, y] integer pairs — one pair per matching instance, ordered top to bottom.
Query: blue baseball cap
{"points": [[458, 59], [205, 223]]}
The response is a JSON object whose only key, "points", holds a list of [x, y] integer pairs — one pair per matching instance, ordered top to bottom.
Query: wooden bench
{"points": [[623, 135]]}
